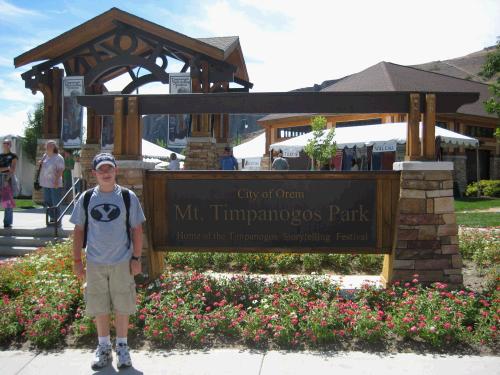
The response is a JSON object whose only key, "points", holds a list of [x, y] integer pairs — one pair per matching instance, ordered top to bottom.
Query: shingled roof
{"points": [[386, 76]]}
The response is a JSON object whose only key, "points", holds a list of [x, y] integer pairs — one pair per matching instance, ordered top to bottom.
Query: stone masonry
{"points": [[201, 154], [459, 172], [427, 232]]}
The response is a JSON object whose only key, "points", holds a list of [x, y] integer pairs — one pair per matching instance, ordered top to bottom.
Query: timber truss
{"points": [[125, 48]]}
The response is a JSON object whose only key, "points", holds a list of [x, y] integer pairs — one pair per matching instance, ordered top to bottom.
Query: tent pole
{"points": [[270, 157], [478, 177]]}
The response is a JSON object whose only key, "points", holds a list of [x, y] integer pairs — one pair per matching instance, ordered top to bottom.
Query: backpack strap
{"points": [[126, 200], [86, 201]]}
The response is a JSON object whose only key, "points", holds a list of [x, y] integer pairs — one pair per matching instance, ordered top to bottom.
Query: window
{"points": [[372, 121], [292, 131], [479, 131]]}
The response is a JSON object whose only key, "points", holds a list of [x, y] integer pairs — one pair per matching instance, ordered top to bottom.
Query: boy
{"points": [[113, 256]]}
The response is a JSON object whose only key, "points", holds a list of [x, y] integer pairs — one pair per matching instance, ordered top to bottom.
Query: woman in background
{"points": [[8, 162], [51, 172]]}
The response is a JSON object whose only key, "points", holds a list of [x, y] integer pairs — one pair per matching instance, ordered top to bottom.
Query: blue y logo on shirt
{"points": [[105, 212]]}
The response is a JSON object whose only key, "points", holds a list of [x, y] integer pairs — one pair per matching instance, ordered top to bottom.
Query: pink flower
{"points": [[447, 325], [413, 329], [432, 329]]}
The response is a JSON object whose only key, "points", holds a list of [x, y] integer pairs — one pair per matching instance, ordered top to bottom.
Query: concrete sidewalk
{"points": [[247, 362]]}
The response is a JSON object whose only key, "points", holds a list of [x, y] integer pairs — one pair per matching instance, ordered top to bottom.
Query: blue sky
{"points": [[287, 44]]}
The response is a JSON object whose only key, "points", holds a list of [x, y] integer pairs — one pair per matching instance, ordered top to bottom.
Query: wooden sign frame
{"points": [[387, 196]]}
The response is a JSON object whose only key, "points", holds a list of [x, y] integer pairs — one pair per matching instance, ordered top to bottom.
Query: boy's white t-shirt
{"points": [[107, 241]]}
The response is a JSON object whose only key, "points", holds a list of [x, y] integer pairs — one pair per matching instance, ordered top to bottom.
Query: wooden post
{"points": [[119, 121], [429, 128], [412, 139], [133, 140]]}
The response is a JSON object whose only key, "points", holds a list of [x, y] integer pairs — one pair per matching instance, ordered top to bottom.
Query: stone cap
{"points": [[423, 166]]}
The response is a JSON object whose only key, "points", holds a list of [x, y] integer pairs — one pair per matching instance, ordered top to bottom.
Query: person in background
{"points": [[8, 162], [228, 162], [280, 163], [69, 164], [174, 164], [354, 165], [51, 172], [77, 174], [113, 257]]}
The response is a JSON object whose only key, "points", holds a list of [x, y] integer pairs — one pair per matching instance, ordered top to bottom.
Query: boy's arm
{"points": [[78, 234], [137, 240], [136, 266]]}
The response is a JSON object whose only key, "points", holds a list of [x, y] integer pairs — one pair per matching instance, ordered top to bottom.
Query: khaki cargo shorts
{"points": [[109, 288]]}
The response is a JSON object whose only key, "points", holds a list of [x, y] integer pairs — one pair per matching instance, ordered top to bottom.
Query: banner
{"points": [[72, 112], [179, 125], [107, 133], [385, 147]]}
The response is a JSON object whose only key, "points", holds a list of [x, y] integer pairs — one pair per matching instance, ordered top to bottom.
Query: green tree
{"points": [[491, 68], [33, 131], [161, 142], [322, 146]]}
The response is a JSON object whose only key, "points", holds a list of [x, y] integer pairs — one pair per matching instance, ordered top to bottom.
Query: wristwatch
{"points": [[135, 258]]}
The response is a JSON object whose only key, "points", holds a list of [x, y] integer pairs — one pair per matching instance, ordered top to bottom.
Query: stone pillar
{"points": [[201, 154], [86, 156], [265, 163], [495, 167], [459, 171], [427, 232]]}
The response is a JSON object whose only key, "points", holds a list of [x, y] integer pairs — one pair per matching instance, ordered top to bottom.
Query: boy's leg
{"points": [[123, 296], [102, 324], [121, 325]]}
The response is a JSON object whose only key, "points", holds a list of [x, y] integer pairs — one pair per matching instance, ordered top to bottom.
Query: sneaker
{"points": [[123, 356], [101, 357]]}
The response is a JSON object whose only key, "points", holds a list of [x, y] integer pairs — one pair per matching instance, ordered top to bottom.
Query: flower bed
{"points": [[42, 305]]}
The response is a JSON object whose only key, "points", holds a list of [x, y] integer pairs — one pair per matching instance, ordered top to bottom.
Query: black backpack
{"points": [[86, 201]]}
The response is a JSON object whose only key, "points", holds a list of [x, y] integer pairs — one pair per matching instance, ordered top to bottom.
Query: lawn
{"points": [[25, 204], [470, 204], [478, 219]]}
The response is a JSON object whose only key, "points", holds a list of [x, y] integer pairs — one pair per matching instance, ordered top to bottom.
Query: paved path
{"points": [[34, 218], [246, 362]]}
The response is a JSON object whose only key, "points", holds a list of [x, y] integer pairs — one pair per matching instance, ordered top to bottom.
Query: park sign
{"points": [[272, 211]]}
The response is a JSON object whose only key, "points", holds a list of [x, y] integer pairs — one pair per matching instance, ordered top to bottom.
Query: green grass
{"points": [[24, 204], [470, 204], [478, 219]]}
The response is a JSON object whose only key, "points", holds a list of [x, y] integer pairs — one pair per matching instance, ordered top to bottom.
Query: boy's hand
{"points": [[135, 267], [79, 270]]}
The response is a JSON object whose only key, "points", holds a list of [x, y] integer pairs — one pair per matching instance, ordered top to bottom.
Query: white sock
{"points": [[106, 340], [121, 340]]}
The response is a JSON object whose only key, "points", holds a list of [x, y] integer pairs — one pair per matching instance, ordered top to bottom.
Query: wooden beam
{"points": [[280, 102], [429, 128], [412, 134]]}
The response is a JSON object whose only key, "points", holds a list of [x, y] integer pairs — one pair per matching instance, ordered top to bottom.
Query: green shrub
{"points": [[489, 188], [312, 262]]}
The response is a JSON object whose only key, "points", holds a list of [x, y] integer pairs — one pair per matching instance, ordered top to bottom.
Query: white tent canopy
{"points": [[372, 135], [254, 148], [151, 150]]}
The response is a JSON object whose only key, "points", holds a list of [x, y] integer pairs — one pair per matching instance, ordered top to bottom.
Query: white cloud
{"points": [[8, 10], [302, 44], [12, 89], [13, 121]]}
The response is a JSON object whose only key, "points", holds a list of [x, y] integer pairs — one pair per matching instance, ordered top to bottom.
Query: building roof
{"points": [[219, 48], [465, 67], [386, 76]]}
